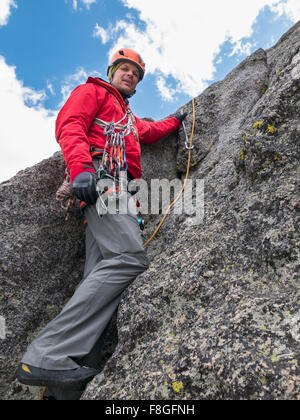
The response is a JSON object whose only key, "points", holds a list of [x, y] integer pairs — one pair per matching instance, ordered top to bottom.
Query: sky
{"points": [[48, 47]]}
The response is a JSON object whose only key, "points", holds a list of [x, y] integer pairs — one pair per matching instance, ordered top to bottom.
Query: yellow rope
{"points": [[185, 181], [43, 394]]}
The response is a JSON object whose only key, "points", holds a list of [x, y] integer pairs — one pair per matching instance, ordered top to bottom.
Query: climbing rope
{"points": [[189, 148], [65, 195], [43, 393]]}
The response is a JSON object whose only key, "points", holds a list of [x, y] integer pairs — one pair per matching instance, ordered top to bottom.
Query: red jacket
{"points": [[76, 133]]}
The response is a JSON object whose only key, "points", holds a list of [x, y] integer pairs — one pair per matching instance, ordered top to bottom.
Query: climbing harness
{"points": [[189, 146], [113, 162]]}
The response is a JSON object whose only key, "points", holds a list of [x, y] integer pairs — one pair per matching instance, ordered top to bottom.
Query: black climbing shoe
{"points": [[74, 379], [48, 399]]}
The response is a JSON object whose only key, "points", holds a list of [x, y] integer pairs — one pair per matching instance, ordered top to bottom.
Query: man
{"points": [[99, 137]]}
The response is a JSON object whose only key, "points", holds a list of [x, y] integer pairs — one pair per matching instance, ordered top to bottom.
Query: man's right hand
{"points": [[84, 187]]}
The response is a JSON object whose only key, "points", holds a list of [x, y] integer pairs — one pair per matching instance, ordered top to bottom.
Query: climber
{"points": [[95, 115]]}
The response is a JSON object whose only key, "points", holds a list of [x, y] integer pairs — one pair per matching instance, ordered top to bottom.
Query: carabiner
{"points": [[109, 129], [187, 143]]}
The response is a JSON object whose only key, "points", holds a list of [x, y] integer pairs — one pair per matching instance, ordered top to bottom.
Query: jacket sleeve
{"points": [[72, 126], [152, 132]]}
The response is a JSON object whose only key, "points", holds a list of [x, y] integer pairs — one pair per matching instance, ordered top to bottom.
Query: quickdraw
{"points": [[189, 146], [114, 155], [113, 158], [113, 164]]}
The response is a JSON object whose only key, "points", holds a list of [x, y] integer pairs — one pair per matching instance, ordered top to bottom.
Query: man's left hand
{"points": [[180, 116]]}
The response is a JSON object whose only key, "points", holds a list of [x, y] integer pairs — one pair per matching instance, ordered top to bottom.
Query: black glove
{"points": [[180, 116], [84, 187]]}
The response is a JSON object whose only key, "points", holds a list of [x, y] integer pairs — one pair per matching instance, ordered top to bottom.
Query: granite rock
{"points": [[41, 259], [216, 315]]}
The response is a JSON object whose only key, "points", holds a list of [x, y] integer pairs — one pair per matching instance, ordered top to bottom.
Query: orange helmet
{"points": [[125, 54]]}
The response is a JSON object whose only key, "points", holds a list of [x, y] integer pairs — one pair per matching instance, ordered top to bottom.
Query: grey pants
{"points": [[114, 258]]}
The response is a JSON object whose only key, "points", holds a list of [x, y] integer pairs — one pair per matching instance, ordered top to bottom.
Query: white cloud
{"points": [[87, 3], [291, 8], [5, 9], [101, 33], [183, 40], [240, 48], [73, 80], [70, 82], [50, 88], [166, 92], [27, 128], [27, 133]]}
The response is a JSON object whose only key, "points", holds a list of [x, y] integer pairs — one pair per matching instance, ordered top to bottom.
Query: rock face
{"points": [[40, 260], [217, 314]]}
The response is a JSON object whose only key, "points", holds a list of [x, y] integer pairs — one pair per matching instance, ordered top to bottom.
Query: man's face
{"points": [[126, 78]]}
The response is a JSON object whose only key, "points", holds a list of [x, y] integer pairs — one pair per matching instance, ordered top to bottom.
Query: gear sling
{"points": [[112, 158]]}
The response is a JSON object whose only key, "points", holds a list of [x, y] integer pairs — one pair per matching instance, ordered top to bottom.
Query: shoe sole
{"points": [[65, 384]]}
